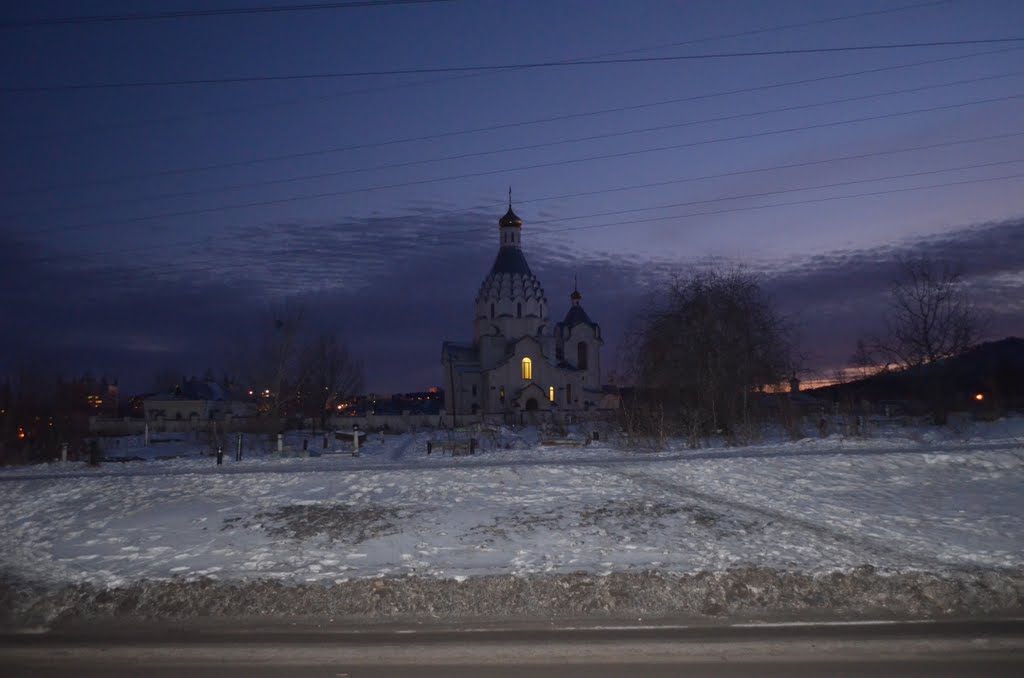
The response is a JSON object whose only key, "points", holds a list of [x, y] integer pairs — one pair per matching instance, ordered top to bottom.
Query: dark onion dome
{"points": [[510, 219], [577, 316]]}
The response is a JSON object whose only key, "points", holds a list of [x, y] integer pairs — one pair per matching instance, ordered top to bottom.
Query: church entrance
{"points": [[531, 405]]}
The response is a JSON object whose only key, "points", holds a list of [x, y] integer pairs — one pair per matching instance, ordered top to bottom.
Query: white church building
{"points": [[518, 361]]}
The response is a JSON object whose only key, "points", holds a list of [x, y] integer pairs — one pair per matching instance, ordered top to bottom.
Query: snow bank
{"points": [[749, 594]]}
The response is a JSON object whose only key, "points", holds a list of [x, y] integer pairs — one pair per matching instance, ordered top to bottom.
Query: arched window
{"points": [[519, 310], [581, 355], [527, 368], [551, 393], [501, 394]]}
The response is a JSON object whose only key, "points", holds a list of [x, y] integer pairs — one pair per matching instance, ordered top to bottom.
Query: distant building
{"points": [[518, 361], [88, 396], [198, 400]]}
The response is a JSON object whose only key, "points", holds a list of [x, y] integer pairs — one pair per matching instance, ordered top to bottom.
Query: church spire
{"points": [[510, 218], [509, 226], [575, 297]]}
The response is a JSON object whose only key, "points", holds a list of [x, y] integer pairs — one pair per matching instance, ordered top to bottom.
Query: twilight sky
{"points": [[153, 226]]}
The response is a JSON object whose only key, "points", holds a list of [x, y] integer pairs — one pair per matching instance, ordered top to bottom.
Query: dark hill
{"points": [[993, 369]]}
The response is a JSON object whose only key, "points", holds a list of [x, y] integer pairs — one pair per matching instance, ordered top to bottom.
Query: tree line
{"points": [[713, 343], [700, 359], [292, 370]]}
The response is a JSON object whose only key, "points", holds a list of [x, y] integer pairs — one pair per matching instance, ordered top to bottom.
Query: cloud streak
{"points": [[396, 287]]}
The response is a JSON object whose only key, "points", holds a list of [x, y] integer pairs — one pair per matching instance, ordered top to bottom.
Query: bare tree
{"points": [[929, 317], [702, 353], [273, 368], [330, 374], [165, 379]]}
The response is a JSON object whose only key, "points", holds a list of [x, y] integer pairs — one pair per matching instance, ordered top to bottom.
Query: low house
{"points": [[194, 399]]}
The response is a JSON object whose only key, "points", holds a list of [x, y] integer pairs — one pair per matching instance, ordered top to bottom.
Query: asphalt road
{"points": [[991, 648]]}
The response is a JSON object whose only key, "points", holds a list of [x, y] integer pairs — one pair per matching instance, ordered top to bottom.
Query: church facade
{"points": [[518, 361]]}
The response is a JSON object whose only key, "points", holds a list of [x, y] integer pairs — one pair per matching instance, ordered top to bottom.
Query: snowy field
{"points": [[930, 499]]}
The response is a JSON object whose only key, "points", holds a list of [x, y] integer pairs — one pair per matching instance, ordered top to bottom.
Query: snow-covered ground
{"points": [[901, 498]]}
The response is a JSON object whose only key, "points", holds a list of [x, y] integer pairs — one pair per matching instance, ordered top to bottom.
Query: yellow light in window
{"points": [[527, 368], [551, 393], [979, 396]]}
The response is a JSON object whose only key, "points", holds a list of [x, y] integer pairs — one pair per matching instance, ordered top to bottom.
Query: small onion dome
{"points": [[510, 219], [575, 296]]}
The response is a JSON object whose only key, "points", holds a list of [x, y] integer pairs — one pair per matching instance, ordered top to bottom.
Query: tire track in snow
{"points": [[867, 545]]}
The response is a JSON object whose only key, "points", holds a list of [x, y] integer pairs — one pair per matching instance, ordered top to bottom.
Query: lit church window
{"points": [[527, 368], [551, 393]]}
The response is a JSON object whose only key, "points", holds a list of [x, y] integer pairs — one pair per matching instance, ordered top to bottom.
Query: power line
{"points": [[205, 13], [692, 41], [502, 67], [441, 135], [548, 144], [808, 163], [787, 166], [418, 182], [853, 182], [797, 202], [220, 267]]}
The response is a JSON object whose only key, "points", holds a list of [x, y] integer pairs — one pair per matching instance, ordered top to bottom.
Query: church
{"points": [[518, 362]]}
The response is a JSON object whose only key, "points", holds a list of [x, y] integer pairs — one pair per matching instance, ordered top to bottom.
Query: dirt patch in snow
{"points": [[335, 522], [751, 593]]}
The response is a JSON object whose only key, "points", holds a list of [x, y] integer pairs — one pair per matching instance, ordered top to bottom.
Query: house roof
{"points": [[194, 390]]}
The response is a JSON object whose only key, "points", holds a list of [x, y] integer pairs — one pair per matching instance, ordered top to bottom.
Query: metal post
{"points": [[145, 438], [355, 440], [280, 443], [238, 450], [63, 453], [220, 455]]}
